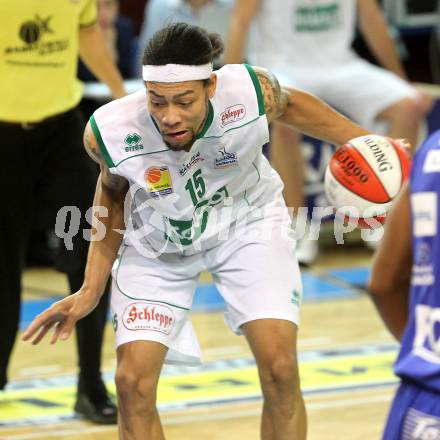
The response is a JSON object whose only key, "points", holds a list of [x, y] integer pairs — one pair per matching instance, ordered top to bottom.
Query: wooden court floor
{"points": [[332, 331]]}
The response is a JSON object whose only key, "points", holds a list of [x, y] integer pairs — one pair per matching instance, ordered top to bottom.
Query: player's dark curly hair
{"points": [[182, 43]]}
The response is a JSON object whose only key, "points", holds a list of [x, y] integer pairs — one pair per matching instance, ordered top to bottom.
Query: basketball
{"points": [[153, 175], [364, 176]]}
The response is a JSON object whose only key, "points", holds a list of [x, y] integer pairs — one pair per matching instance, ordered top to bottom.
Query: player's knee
{"points": [[406, 111], [279, 375], [134, 389]]}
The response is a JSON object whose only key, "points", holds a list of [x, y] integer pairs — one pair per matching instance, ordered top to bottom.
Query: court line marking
{"points": [[211, 416]]}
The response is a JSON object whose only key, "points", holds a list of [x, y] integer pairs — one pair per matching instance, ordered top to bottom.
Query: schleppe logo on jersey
{"points": [[232, 114], [424, 206], [145, 315], [427, 333]]}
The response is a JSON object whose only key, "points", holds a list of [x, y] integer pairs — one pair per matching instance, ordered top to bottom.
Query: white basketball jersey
{"points": [[300, 33], [182, 200]]}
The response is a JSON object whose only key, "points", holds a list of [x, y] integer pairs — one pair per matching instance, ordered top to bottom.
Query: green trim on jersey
{"points": [[257, 86], [208, 121], [155, 124], [230, 129], [102, 148], [141, 154], [256, 169]]}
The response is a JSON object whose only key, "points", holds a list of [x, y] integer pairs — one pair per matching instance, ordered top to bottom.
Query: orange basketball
{"points": [[153, 175], [364, 176]]}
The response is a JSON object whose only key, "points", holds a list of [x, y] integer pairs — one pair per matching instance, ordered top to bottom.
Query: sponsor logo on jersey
{"points": [[317, 18], [32, 32], [232, 114], [133, 142], [226, 160], [432, 162], [187, 166], [158, 180], [424, 206], [422, 270], [148, 316], [427, 335], [420, 425]]}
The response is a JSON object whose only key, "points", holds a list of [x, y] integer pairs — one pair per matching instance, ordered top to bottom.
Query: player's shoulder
{"points": [[274, 98]]}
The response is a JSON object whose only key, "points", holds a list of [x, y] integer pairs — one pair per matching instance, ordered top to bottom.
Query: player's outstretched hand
{"points": [[62, 315]]}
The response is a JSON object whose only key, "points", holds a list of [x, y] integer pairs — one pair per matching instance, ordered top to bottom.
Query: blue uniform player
{"points": [[405, 287]]}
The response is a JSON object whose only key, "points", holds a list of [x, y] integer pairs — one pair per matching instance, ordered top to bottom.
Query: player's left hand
{"points": [[62, 315]]}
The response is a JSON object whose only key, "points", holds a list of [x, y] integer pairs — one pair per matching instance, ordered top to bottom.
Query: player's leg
{"points": [[367, 93], [404, 118], [287, 159], [69, 180], [16, 187], [257, 273], [150, 302], [273, 343], [137, 376]]}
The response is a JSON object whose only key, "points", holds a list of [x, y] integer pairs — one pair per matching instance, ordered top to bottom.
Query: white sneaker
{"points": [[307, 251]]}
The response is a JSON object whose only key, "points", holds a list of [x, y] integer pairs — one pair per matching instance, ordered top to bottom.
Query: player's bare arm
{"points": [[243, 12], [95, 54], [304, 112], [112, 182], [110, 194], [391, 273]]}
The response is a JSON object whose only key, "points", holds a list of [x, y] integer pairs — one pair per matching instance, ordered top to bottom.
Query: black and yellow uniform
{"points": [[45, 165]]}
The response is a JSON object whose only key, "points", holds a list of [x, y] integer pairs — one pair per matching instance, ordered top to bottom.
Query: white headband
{"points": [[176, 72]]}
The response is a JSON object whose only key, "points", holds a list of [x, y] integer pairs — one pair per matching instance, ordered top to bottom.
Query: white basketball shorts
{"points": [[358, 89], [257, 275]]}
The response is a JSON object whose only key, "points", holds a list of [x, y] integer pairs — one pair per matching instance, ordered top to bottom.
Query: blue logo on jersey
{"points": [[226, 160]]}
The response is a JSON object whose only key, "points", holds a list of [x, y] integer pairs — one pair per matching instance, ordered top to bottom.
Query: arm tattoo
{"points": [[275, 98]]}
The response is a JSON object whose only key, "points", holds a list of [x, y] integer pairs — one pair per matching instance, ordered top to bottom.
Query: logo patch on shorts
{"points": [[158, 180], [296, 297], [148, 316], [115, 322]]}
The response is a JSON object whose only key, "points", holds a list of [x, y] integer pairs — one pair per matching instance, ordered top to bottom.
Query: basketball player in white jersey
{"points": [[307, 45], [187, 151]]}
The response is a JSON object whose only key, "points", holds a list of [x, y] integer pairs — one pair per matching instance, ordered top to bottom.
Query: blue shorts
{"points": [[414, 414]]}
